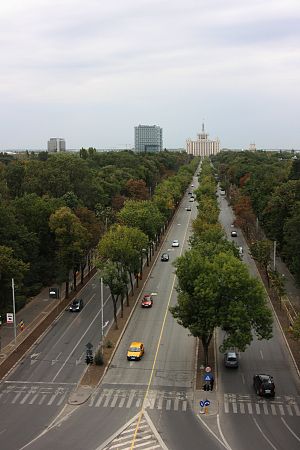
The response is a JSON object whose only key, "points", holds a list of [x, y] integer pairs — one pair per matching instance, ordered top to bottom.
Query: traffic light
{"points": [[89, 358]]}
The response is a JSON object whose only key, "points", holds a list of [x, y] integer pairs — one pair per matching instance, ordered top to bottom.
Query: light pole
{"points": [[274, 256], [101, 297], [14, 309]]}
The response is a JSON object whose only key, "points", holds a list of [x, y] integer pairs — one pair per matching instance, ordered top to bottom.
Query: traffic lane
{"points": [[64, 344], [271, 357], [21, 423], [84, 428], [183, 431], [258, 432]]}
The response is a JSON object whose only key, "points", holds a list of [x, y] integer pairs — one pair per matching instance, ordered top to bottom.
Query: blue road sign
{"points": [[208, 377], [202, 403], [206, 403]]}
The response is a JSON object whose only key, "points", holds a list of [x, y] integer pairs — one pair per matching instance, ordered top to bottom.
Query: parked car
{"points": [[222, 192], [191, 199], [188, 208], [233, 234], [175, 243], [241, 251], [165, 257], [147, 301], [76, 305], [135, 351], [231, 359], [264, 385]]}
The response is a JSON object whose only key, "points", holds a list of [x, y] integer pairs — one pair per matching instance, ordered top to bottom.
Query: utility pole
{"points": [[274, 256], [101, 289], [14, 309]]}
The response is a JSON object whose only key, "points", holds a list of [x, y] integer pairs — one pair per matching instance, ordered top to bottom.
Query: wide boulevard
{"points": [[148, 404]]}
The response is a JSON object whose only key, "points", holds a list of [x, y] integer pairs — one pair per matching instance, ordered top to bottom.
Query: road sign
{"points": [[9, 318], [207, 369], [208, 377], [202, 403], [206, 403]]}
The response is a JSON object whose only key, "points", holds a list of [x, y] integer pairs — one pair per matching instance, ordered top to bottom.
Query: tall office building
{"points": [[148, 138], [56, 145], [202, 146]]}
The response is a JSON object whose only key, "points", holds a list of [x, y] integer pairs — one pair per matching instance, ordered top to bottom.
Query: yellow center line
{"points": [[156, 353]]}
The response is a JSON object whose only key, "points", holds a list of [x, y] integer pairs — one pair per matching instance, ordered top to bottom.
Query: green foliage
{"points": [[98, 358]]}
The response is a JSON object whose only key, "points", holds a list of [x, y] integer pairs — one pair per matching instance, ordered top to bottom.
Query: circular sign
{"points": [[207, 369], [201, 403], [206, 403]]}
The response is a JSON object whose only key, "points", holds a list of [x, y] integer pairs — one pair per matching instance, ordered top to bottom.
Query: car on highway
{"points": [[192, 185], [191, 199], [188, 208], [233, 233], [175, 243], [241, 251], [165, 257], [147, 301], [76, 305], [135, 351], [231, 359], [264, 385]]}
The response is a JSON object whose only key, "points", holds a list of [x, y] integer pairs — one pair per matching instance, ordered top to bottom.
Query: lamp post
{"points": [[274, 256], [101, 298], [14, 308]]}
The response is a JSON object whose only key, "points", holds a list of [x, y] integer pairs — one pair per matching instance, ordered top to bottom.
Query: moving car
{"points": [[222, 192], [191, 199], [188, 208], [233, 234], [175, 243], [241, 251], [165, 257], [147, 301], [76, 305], [135, 351], [231, 359], [264, 385]]}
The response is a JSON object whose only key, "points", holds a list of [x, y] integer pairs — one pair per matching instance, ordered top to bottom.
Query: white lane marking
{"points": [[74, 348], [261, 354], [54, 361], [243, 378], [38, 382], [130, 398], [99, 400], [114, 401], [160, 403], [226, 404], [184, 405], [168, 406], [242, 408], [257, 408], [273, 409], [289, 409], [296, 409], [281, 410], [250, 411], [266, 411], [290, 430], [263, 434], [224, 443]]}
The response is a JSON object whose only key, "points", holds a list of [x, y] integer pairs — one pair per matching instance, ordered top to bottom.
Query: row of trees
{"points": [[264, 189], [55, 207], [122, 249], [214, 286]]}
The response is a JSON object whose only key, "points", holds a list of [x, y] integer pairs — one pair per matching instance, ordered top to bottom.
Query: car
{"points": [[192, 185], [222, 192], [190, 193], [191, 199], [188, 208], [233, 234], [175, 243], [241, 251], [165, 257], [147, 301], [76, 305], [136, 351], [231, 359], [264, 385]]}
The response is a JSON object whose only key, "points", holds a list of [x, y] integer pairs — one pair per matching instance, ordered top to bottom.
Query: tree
{"points": [[71, 243], [261, 252], [10, 267], [217, 291]]}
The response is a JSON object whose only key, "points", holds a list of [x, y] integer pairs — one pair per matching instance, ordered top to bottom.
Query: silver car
{"points": [[231, 359]]}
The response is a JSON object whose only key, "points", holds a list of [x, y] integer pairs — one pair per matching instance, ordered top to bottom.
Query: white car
{"points": [[175, 243]]}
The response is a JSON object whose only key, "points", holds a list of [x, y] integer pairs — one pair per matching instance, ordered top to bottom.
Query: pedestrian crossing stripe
{"points": [[245, 404]]}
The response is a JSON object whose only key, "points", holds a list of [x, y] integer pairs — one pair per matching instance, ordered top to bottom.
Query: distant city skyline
{"points": [[93, 74]]}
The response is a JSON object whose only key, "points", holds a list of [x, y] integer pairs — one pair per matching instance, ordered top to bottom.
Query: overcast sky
{"points": [[90, 70]]}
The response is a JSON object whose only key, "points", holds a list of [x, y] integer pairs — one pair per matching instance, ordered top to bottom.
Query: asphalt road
{"points": [[148, 403], [246, 420]]}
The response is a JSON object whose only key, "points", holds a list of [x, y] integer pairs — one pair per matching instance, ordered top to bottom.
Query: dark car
{"points": [[188, 208], [233, 234], [165, 257], [147, 301], [76, 305], [264, 385]]}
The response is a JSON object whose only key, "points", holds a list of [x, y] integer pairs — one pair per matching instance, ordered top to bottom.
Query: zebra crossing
{"points": [[46, 394], [51, 394], [135, 398], [248, 404]]}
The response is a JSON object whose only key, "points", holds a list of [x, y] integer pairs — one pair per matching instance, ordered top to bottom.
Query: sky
{"points": [[89, 71]]}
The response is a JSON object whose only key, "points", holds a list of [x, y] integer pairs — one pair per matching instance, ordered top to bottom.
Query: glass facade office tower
{"points": [[148, 138], [56, 145]]}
